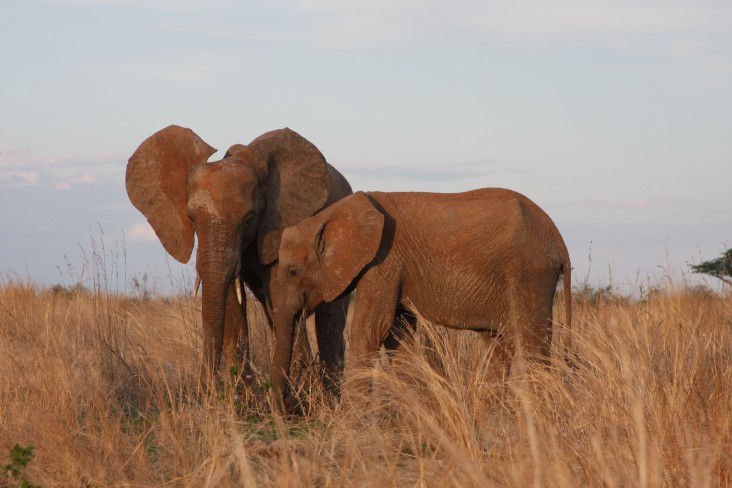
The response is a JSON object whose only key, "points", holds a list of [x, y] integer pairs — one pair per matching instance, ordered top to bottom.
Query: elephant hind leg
{"points": [[531, 314], [405, 324], [501, 350]]}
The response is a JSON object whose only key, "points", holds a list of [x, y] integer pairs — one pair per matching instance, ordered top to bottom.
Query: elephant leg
{"points": [[374, 309], [532, 312], [370, 318], [330, 321], [405, 324], [403, 328], [236, 332], [537, 333], [501, 350]]}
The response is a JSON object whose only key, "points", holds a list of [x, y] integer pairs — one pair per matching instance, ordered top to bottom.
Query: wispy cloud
{"points": [[195, 6], [521, 20], [344, 22], [227, 30], [676, 32], [683, 36], [703, 59], [22, 158], [24, 167], [452, 172], [18, 178], [67, 183], [637, 203], [645, 203], [141, 232]]}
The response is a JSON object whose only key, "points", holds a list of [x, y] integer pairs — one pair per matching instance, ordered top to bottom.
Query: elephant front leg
{"points": [[330, 321], [369, 323], [236, 333]]}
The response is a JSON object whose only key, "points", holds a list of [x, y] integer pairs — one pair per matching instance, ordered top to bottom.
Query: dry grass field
{"points": [[104, 387]]}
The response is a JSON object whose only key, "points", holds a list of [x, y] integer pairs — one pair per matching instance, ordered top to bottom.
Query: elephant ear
{"points": [[250, 157], [157, 184], [297, 185], [348, 241]]}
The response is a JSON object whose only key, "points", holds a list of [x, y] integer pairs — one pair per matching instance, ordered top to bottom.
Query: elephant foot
{"points": [[241, 372], [331, 384], [288, 405], [292, 406]]}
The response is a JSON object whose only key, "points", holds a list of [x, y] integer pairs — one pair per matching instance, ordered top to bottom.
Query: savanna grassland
{"points": [[104, 386]]}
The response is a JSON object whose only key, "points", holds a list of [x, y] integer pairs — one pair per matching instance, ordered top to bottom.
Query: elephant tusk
{"points": [[237, 285], [196, 286]]}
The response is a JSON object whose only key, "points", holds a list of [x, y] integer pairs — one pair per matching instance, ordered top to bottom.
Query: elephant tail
{"points": [[567, 272]]}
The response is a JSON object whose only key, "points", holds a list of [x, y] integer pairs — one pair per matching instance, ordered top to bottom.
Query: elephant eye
{"points": [[293, 271]]}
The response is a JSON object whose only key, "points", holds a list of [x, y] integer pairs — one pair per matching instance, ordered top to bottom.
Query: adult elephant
{"points": [[237, 208], [486, 260]]}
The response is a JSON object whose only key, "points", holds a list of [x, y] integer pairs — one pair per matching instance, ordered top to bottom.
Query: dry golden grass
{"points": [[103, 386]]}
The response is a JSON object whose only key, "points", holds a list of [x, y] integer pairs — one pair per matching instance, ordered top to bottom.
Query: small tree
{"points": [[719, 268]]}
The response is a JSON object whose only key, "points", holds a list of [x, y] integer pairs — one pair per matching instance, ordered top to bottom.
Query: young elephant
{"points": [[483, 260]]}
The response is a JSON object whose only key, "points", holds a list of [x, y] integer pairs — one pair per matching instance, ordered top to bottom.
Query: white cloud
{"points": [[175, 5], [522, 20], [344, 22], [224, 29], [676, 31], [702, 58], [23, 158], [26, 167], [441, 172], [18, 178], [84, 179], [633, 203], [645, 203], [141, 232]]}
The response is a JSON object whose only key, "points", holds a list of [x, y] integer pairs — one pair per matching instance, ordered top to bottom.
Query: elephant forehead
{"points": [[231, 167], [201, 201], [293, 239], [293, 247]]}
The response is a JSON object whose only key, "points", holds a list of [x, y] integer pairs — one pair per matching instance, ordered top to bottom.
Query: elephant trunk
{"points": [[217, 265], [213, 297], [284, 326]]}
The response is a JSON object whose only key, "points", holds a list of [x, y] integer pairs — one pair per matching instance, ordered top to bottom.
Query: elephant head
{"points": [[246, 199], [319, 258]]}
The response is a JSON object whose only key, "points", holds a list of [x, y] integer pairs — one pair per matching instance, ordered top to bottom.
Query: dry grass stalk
{"points": [[104, 386]]}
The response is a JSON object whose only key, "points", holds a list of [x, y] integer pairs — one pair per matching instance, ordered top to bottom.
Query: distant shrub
{"points": [[69, 291], [20, 457]]}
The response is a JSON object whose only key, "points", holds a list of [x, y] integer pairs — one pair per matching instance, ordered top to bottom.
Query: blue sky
{"points": [[615, 117]]}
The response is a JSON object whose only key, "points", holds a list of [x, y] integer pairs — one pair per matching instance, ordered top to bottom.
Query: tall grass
{"points": [[104, 386]]}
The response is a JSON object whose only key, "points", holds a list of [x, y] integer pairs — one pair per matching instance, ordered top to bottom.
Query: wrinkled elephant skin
{"points": [[237, 208], [487, 260]]}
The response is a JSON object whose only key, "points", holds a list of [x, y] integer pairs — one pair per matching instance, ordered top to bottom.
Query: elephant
{"points": [[237, 208], [486, 260]]}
